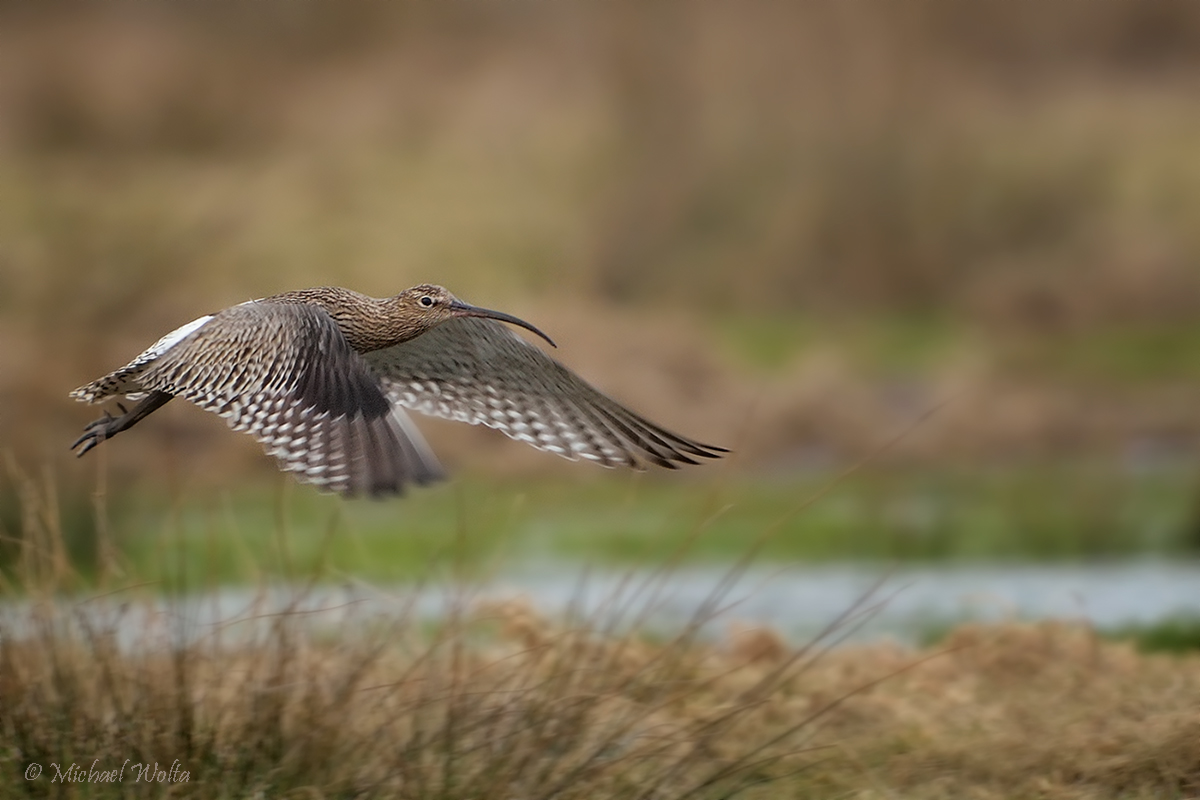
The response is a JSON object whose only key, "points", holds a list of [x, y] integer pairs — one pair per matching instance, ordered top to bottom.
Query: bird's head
{"points": [[428, 306]]}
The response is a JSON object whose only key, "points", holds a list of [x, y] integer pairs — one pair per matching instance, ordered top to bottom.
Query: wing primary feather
{"points": [[477, 371], [601, 438], [615, 439], [672, 441], [641, 442], [695, 448], [381, 459], [426, 467]]}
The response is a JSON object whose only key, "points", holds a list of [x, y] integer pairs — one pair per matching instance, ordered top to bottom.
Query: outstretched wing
{"points": [[478, 371], [286, 375]]}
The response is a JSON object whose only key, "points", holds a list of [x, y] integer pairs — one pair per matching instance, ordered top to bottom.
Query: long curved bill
{"points": [[467, 310]]}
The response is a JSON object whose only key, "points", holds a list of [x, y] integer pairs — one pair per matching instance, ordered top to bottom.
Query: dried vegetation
{"points": [[1028, 172], [1024, 179], [490, 699], [502, 703]]}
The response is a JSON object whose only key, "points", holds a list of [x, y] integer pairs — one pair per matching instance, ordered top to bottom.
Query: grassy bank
{"points": [[1040, 513], [494, 700], [498, 702]]}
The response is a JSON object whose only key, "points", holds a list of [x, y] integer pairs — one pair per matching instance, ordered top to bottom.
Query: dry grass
{"points": [[779, 157], [1031, 170], [624, 176], [490, 699], [476, 700], [500, 703], [503, 703], [1043, 710]]}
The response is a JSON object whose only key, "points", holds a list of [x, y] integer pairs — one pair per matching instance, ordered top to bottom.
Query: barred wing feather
{"points": [[479, 371], [286, 375]]}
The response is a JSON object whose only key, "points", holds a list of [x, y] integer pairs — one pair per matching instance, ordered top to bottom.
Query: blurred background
{"points": [[790, 229]]}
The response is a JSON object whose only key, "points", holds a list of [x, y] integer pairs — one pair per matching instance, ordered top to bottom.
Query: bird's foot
{"points": [[98, 430]]}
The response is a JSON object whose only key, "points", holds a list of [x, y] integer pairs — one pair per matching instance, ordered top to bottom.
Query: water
{"points": [[903, 603]]}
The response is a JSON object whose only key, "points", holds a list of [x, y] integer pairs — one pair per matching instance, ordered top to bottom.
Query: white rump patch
{"points": [[173, 338]]}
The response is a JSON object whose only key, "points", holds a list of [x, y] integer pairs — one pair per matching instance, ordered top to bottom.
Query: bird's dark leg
{"points": [[109, 426]]}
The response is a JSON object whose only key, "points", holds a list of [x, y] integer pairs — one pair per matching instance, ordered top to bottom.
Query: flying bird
{"points": [[322, 377]]}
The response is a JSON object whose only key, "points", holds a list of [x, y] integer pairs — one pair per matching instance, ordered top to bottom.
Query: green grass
{"points": [[885, 343], [916, 344], [1127, 355], [1051, 512], [1178, 634]]}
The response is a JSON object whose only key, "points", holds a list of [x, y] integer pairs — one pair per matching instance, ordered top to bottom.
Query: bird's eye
{"points": [[427, 301]]}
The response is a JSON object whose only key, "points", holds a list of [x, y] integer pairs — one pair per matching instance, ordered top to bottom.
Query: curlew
{"points": [[322, 377]]}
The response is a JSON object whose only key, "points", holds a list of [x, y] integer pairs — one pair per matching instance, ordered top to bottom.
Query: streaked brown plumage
{"points": [[321, 378]]}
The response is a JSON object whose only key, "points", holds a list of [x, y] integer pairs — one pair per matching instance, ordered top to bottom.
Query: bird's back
{"points": [[343, 306]]}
